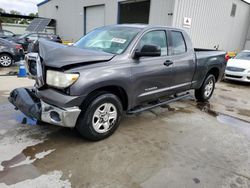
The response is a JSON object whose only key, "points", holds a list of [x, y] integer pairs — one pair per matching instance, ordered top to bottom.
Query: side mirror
{"points": [[148, 50]]}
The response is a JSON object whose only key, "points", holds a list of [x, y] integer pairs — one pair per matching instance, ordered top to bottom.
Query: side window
{"points": [[155, 38], [178, 43]]}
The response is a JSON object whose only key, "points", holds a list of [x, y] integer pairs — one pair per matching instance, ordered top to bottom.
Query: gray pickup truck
{"points": [[111, 70]]}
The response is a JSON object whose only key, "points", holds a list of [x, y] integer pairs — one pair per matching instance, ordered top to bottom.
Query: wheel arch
{"points": [[8, 53], [214, 71], [119, 91]]}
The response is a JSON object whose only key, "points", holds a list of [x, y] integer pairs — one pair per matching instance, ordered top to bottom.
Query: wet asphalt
{"points": [[186, 144]]}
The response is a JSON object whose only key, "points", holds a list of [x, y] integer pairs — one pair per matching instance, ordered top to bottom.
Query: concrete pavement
{"points": [[184, 145]]}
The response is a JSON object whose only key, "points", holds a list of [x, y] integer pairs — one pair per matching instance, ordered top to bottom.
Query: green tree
{"points": [[33, 14], [4, 19], [16, 20]]}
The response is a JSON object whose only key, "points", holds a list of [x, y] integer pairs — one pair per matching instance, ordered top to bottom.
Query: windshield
{"points": [[113, 40], [243, 55]]}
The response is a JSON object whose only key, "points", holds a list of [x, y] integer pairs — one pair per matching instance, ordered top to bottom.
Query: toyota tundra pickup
{"points": [[111, 70]]}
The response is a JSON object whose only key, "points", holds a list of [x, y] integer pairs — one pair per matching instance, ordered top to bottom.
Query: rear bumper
{"points": [[27, 102]]}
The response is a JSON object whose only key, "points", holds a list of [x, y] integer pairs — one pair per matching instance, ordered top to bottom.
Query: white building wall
{"points": [[70, 14], [212, 24]]}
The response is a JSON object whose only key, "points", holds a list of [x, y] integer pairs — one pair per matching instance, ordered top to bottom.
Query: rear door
{"points": [[183, 60], [151, 77]]}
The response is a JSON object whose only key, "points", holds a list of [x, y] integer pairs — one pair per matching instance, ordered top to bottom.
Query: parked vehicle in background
{"points": [[5, 34], [26, 39], [10, 52], [230, 55], [238, 68], [112, 69]]}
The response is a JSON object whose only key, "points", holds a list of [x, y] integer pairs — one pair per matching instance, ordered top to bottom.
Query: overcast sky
{"points": [[23, 6]]}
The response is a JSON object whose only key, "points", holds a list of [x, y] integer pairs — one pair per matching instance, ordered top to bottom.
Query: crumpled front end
{"points": [[27, 102]]}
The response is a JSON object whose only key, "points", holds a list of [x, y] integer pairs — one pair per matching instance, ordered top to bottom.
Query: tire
{"points": [[5, 60], [204, 93], [100, 117]]}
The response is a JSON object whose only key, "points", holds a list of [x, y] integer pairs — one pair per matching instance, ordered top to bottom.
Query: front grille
{"points": [[235, 69], [233, 76]]}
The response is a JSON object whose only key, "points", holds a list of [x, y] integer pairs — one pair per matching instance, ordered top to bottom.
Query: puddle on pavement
{"points": [[16, 115], [241, 125], [27, 164], [19, 169]]}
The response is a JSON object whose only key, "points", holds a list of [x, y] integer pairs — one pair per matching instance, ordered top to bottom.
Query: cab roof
{"points": [[142, 26]]}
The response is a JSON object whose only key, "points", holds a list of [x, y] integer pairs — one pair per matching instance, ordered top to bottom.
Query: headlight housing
{"points": [[60, 79]]}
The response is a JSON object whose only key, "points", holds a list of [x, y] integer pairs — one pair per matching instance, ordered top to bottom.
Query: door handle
{"points": [[168, 63]]}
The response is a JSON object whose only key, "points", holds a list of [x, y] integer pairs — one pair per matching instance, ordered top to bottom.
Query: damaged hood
{"points": [[58, 55]]}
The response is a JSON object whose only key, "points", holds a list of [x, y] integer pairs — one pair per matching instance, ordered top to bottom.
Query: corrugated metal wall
{"points": [[212, 24]]}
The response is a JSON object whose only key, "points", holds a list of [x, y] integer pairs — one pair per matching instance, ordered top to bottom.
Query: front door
{"points": [[152, 76]]}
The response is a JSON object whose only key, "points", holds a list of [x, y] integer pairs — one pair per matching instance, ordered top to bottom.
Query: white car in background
{"points": [[238, 68]]}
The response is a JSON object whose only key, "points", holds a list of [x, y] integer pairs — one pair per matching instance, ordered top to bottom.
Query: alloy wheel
{"points": [[5, 60], [104, 117]]}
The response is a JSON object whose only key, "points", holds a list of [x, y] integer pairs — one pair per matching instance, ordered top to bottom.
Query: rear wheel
{"points": [[5, 60], [205, 92], [100, 118]]}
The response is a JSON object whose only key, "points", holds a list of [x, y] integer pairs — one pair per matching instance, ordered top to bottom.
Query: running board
{"points": [[138, 110]]}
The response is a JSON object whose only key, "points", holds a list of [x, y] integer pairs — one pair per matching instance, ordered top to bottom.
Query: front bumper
{"points": [[237, 76], [26, 100]]}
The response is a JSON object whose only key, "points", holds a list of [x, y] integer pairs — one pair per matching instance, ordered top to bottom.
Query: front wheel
{"points": [[205, 92], [100, 118]]}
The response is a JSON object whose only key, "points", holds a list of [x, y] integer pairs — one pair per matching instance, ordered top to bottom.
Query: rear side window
{"points": [[155, 38], [178, 43]]}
